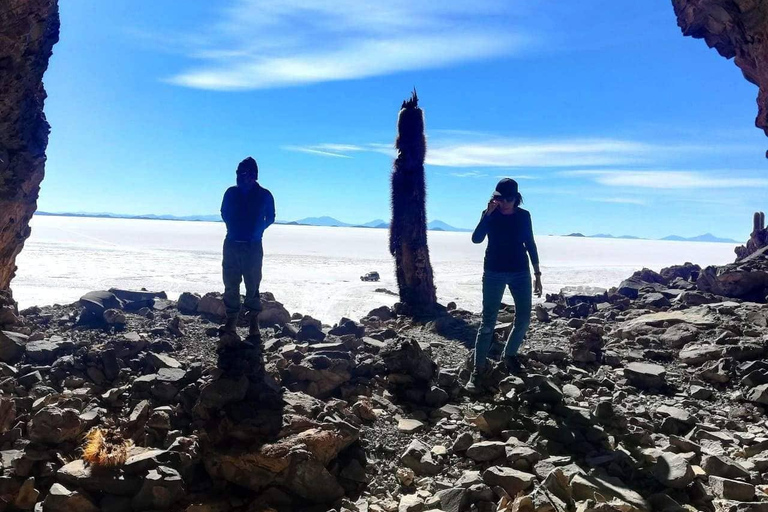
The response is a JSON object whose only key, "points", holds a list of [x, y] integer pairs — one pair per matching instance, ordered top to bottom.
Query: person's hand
{"points": [[492, 205], [537, 289]]}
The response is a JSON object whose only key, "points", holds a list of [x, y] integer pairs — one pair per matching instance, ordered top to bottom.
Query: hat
{"points": [[248, 165], [506, 189]]}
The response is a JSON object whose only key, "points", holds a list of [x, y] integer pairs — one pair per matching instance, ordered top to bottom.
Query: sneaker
{"points": [[513, 364]]}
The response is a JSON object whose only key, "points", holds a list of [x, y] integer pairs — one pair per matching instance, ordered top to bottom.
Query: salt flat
{"points": [[312, 270]]}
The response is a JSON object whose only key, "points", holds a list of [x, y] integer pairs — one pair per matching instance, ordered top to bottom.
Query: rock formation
{"points": [[737, 29], [28, 31], [408, 230], [648, 396]]}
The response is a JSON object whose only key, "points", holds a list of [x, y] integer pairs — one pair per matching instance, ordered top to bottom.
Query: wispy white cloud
{"points": [[275, 43], [341, 150], [475, 150], [316, 151], [510, 152], [469, 174], [665, 179]]}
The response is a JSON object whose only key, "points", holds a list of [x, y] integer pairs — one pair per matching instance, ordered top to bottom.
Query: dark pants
{"points": [[242, 261], [494, 284]]}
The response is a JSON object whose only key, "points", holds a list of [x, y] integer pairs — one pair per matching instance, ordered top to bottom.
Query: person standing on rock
{"points": [[248, 210], [510, 244]]}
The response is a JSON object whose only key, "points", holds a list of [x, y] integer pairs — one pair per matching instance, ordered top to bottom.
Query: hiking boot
{"points": [[253, 324], [230, 326], [513, 364], [474, 385]]}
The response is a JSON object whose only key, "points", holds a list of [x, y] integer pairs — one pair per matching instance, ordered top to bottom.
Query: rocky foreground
{"points": [[650, 396]]}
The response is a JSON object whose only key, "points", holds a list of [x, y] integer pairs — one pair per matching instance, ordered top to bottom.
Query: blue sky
{"points": [[609, 118]]}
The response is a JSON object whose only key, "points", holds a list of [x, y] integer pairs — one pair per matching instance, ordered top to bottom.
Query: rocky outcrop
{"points": [[737, 29], [28, 31], [746, 279]]}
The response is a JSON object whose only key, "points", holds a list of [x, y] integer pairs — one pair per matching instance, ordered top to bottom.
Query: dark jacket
{"points": [[247, 214], [510, 241]]}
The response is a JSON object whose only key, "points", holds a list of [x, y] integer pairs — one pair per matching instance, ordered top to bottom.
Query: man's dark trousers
{"points": [[242, 261]]}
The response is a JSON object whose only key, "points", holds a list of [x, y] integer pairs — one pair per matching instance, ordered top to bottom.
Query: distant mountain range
{"points": [[149, 216], [435, 225], [708, 237]]}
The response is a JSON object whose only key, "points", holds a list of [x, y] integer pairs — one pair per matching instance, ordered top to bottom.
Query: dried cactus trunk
{"points": [[408, 229], [757, 239]]}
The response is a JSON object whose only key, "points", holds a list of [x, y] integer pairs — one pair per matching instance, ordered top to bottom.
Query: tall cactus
{"points": [[758, 222], [408, 229]]}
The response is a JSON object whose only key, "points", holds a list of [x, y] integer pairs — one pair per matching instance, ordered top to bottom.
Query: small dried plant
{"points": [[105, 448]]}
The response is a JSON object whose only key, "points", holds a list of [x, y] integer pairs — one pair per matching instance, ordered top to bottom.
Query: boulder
{"points": [[746, 279], [97, 302], [188, 302], [212, 304], [273, 313], [382, 313], [698, 317], [679, 335], [11, 346], [48, 350], [698, 353], [405, 356], [645, 375], [758, 394], [7, 414], [54, 425], [485, 451], [418, 457], [297, 462], [720, 465], [672, 470], [511, 480], [113, 481], [161, 488], [603, 488], [728, 489], [61, 499]]}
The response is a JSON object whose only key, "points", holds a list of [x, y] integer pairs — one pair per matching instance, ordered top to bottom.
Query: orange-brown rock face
{"points": [[737, 29], [28, 31]]}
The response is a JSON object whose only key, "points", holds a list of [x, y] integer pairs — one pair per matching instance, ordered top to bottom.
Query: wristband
{"points": [[537, 273]]}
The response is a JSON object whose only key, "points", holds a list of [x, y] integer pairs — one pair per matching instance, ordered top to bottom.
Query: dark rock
{"points": [[188, 302], [212, 305], [382, 313], [11, 346], [47, 351], [406, 356], [645, 375], [758, 394], [54, 425], [486, 451], [418, 457], [720, 465], [672, 470], [511, 480], [112, 481], [161, 488], [727, 489], [61, 499], [452, 500]]}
